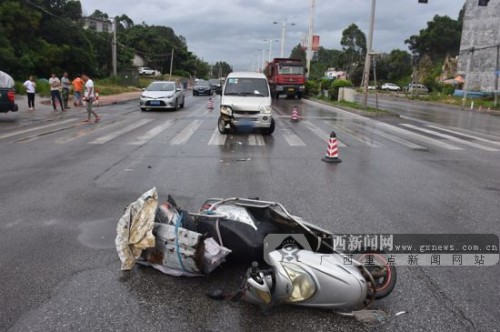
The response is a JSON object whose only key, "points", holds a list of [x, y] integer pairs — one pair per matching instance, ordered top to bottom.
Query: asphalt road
{"points": [[65, 184]]}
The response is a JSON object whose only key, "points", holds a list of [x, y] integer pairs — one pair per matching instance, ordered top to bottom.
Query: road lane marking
{"points": [[85, 129], [23, 131], [320, 132], [152, 133], [186, 133], [113, 135], [465, 135], [358, 136], [419, 137], [217, 138], [291, 138], [451, 138], [256, 139], [396, 139]]}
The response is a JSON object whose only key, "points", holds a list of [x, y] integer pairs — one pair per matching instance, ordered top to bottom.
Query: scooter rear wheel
{"points": [[384, 281]]}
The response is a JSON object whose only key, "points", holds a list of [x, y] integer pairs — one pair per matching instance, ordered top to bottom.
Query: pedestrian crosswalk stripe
{"points": [[24, 131], [320, 132], [151, 133], [186, 133], [410, 134], [113, 135], [465, 135], [358, 136], [217, 138], [291, 138], [451, 138], [256, 139], [396, 139]]}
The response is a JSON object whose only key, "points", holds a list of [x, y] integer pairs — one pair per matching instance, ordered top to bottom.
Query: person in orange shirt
{"points": [[77, 91]]}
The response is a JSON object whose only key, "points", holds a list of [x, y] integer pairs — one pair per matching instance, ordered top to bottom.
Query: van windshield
{"points": [[243, 86]]}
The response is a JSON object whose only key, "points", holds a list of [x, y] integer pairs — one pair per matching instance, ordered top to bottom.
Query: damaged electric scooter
{"points": [[300, 264]]}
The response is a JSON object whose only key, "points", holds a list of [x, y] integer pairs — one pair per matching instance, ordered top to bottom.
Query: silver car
{"points": [[161, 95]]}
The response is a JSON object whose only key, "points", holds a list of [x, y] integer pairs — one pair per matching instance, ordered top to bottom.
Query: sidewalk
{"points": [[43, 104]]}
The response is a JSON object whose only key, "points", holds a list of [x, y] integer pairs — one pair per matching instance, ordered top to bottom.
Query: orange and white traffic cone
{"points": [[96, 102], [210, 104], [295, 115], [332, 153]]}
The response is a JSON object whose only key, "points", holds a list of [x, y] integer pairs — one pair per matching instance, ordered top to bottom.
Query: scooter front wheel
{"points": [[382, 272]]}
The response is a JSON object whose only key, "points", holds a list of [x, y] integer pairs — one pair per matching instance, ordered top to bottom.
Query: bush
{"points": [[336, 85], [312, 88]]}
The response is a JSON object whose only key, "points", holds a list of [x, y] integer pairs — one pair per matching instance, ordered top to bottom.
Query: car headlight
{"points": [[226, 110], [266, 110], [303, 286]]}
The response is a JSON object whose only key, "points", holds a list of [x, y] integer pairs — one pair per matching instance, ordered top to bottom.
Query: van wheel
{"points": [[221, 125], [270, 130]]}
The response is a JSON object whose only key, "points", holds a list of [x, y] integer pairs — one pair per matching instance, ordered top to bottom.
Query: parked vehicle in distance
{"points": [[146, 71], [286, 76], [215, 84], [390, 87], [202, 88], [417, 88], [7, 94], [162, 95], [246, 103]]}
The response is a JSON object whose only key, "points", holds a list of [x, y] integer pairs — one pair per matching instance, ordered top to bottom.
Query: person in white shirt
{"points": [[30, 86], [55, 91], [89, 97]]}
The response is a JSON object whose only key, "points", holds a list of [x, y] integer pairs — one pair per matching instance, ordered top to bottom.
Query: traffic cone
{"points": [[96, 102], [210, 104], [295, 115], [332, 153]]}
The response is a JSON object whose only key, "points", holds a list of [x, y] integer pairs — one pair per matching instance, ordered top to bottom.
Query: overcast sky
{"points": [[234, 30]]}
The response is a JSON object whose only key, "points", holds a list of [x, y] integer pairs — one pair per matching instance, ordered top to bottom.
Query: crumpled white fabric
{"points": [[135, 228]]}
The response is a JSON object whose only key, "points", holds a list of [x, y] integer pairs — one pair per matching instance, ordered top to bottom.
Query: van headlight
{"points": [[226, 110], [266, 110], [303, 286]]}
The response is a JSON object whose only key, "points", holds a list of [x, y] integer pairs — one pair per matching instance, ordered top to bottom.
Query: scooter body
{"points": [[306, 278]]}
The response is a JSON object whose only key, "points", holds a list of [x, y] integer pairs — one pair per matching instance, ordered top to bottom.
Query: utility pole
{"points": [[113, 47], [309, 52], [171, 64], [366, 72], [497, 74], [467, 76]]}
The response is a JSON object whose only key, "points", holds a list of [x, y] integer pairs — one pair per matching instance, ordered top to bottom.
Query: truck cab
{"points": [[286, 76]]}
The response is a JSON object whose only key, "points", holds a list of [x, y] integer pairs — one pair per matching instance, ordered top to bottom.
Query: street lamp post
{"points": [[283, 27], [270, 47], [309, 51], [366, 72]]}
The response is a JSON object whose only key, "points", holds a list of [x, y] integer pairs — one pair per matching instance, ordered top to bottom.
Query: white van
{"points": [[246, 103]]}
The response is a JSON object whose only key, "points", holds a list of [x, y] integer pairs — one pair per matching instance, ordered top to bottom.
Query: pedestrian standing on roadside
{"points": [[66, 85], [30, 86], [77, 91], [55, 92], [89, 97]]}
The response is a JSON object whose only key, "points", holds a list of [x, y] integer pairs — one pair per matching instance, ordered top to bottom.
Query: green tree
{"points": [[440, 38], [354, 46]]}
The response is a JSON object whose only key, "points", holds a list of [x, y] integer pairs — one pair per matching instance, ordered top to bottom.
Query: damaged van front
{"points": [[246, 103]]}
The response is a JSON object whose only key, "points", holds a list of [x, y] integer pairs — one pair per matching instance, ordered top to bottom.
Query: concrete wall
{"points": [[481, 30]]}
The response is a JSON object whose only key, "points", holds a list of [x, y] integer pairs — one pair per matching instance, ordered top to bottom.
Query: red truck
{"points": [[286, 76]]}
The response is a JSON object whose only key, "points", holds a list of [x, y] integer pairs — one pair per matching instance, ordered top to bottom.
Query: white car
{"points": [[146, 71], [390, 87], [162, 95], [246, 103]]}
